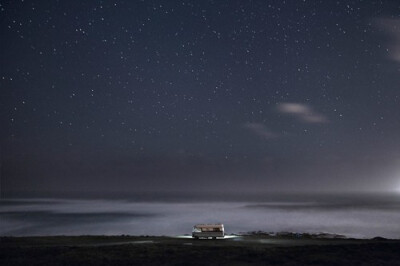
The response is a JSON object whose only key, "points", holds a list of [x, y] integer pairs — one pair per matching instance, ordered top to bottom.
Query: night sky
{"points": [[199, 96]]}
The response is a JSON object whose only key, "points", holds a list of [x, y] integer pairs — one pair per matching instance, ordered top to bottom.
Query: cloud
{"points": [[392, 28], [302, 112], [261, 130]]}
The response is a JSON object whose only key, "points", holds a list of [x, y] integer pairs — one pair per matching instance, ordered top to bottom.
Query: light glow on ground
{"points": [[221, 238]]}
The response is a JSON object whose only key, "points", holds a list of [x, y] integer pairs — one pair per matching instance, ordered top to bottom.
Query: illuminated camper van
{"points": [[208, 230]]}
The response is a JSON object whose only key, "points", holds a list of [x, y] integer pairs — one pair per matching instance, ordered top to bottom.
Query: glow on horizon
{"points": [[396, 188]]}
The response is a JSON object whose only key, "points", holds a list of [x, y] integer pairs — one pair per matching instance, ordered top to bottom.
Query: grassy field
{"points": [[246, 250]]}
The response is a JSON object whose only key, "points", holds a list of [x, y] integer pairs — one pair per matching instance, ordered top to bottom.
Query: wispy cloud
{"points": [[392, 28], [302, 112], [261, 130]]}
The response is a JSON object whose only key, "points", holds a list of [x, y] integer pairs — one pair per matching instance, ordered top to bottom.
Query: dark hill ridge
{"points": [[321, 235]]}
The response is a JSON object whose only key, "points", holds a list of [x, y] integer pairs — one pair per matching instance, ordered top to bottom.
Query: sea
{"points": [[358, 215]]}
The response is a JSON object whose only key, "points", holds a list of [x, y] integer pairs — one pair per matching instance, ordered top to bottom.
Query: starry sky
{"points": [[200, 95]]}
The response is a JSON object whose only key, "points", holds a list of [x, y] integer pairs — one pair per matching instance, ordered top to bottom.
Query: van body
{"points": [[208, 230]]}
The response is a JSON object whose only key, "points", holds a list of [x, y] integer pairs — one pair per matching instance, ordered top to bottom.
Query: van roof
{"points": [[209, 225]]}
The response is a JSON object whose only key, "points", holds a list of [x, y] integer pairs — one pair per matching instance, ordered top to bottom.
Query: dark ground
{"points": [[246, 250]]}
